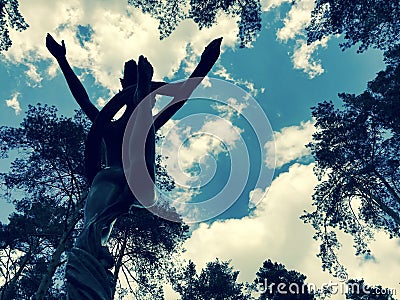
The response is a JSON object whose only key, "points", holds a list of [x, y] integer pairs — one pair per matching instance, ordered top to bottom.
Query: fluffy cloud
{"points": [[267, 5], [296, 20], [294, 24], [117, 32], [303, 57], [223, 73], [34, 78], [14, 103], [232, 109], [289, 144], [184, 146], [276, 232]]}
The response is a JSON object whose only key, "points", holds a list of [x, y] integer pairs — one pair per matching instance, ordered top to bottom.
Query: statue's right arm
{"points": [[74, 84], [182, 90]]}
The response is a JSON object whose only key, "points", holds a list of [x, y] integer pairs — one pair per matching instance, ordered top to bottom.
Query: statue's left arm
{"points": [[74, 84], [183, 90]]}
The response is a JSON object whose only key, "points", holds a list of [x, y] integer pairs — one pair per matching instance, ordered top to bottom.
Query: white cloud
{"points": [[267, 5], [296, 20], [120, 32], [303, 57], [223, 73], [33, 75], [101, 102], [14, 103], [233, 108], [289, 144], [184, 146], [256, 196], [273, 232], [276, 232]]}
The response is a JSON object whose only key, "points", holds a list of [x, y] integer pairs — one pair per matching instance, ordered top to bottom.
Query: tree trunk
{"points": [[56, 259], [118, 263], [9, 285]]}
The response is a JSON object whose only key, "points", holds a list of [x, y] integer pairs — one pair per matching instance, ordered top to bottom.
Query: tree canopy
{"points": [[204, 13], [10, 17], [373, 23], [356, 151], [47, 185], [216, 281], [277, 282], [358, 289]]}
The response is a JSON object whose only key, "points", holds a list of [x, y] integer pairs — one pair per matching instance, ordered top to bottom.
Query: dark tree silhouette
{"points": [[204, 13], [169, 14], [10, 17], [373, 23], [356, 150], [47, 185], [216, 281], [274, 281], [359, 290]]}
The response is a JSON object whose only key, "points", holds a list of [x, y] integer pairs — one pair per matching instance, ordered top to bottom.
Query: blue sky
{"points": [[284, 76]]}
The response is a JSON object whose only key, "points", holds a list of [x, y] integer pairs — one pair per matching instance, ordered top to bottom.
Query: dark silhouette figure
{"points": [[109, 195]]}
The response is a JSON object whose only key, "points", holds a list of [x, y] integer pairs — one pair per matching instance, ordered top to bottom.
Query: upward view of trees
{"points": [[169, 14], [204, 14], [10, 17], [368, 23], [356, 147], [356, 150], [47, 185], [216, 281]]}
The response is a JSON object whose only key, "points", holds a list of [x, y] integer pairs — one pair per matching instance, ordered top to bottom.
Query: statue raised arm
{"points": [[109, 195]]}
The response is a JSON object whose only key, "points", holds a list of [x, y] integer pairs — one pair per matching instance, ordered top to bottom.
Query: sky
{"points": [[243, 137]]}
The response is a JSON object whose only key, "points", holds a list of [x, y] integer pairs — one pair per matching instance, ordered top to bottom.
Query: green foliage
{"points": [[204, 13], [10, 17], [373, 23], [356, 151], [47, 185], [217, 281], [277, 282], [359, 290]]}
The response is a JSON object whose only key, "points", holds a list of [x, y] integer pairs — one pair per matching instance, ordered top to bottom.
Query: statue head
{"points": [[130, 74]]}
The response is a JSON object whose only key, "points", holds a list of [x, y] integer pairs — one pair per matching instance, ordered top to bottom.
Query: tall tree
{"points": [[10, 17], [372, 23], [356, 152], [47, 184], [216, 281], [274, 281]]}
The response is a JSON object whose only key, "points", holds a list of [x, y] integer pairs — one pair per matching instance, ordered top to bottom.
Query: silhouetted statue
{"points": [[87, 272]]}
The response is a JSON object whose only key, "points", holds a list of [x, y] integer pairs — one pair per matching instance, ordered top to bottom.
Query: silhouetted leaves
{"points": [[205, 14], [10, 17], [371, 23], [356, 149], [47, 185], [216, 281], [274, 281], [359, 290]]}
